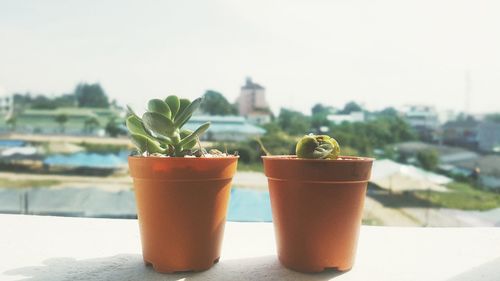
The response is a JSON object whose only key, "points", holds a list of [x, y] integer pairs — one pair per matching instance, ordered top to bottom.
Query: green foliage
{"points": [[91, 95], [42, 102], [214, 103], [351, 107], [319, 109], [495, 117], [61, 119], [293, 122], [91, 124], [114, 128], [160, 128], [377, 133], [317, 147], [428, 159], [462, 196]]}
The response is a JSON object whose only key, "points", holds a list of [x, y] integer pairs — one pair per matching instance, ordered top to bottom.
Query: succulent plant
{"points": [[160, 128], [317, 147]]}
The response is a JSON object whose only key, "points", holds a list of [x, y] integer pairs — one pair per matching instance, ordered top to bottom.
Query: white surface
{"points": [[53, 248]]}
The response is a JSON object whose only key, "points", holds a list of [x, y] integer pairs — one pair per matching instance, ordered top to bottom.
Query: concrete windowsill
{"points": [[56, 248]]}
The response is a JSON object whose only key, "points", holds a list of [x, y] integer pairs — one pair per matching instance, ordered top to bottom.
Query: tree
{"points": [[91, 95], [66, 100], [42, 102], [214, 103], [351, 107], [319, 109], [389, 112], [494, 117], [319, 118], [62, 119], [293, 122], [91, 124], [115, 128], [428, 159]]}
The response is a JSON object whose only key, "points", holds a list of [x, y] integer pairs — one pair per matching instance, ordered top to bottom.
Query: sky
{"points": [[376, 52]]}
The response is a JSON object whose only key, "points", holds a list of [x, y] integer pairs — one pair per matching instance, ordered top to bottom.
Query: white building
{"points": [[252, 103], [355, 116], [422, 116], [225, 128]]}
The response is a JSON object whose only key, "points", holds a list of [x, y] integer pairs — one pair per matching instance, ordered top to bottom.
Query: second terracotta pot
{"points": [[181, 207], [317, 208]]}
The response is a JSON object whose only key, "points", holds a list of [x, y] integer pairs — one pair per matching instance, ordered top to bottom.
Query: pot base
{"points": [[162, 269]]}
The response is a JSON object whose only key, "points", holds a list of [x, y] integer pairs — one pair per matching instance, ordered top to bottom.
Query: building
{"points": [[252, 103], [355, 116], [424, 119], [44, 121], [225, 128], [462, 132], [489, 136]]}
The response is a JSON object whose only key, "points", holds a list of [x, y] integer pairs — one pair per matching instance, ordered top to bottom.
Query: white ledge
{"points": [[54, 248]]}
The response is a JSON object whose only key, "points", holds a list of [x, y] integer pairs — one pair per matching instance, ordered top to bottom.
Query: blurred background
{"points": [[415, 84]]}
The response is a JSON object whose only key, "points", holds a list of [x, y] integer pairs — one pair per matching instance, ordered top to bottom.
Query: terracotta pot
{"points": [[181, 207], [317, 208]]}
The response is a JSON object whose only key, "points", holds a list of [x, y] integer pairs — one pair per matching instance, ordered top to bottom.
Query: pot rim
{"points": [[184, 158], [344, 159]]}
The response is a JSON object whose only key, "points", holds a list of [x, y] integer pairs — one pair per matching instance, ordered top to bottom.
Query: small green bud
{"points": [[317, 147]]}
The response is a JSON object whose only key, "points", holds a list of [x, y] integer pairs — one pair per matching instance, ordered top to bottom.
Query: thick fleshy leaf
{"points": [[183, 104], [174, 105], [159, 106], [130, 112], [184, 116], [158, 123], [135, 126], [194, 134], [144, 143], [189, 145]]}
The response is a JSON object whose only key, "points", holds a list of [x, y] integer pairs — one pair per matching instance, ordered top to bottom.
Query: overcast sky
{"points": [[379, 53]]}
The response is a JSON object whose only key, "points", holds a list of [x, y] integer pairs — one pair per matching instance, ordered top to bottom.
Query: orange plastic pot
{"points": [[181, 208], [317, 208]]}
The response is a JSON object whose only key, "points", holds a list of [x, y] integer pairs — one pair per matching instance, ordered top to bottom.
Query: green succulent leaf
{"points": [[174, 104], [183, 104], [159, 106], [130, 112], [187, 112], [158, 123], [135, 125], [194, 134], [144, 143], [189, 145], [317, 147]]}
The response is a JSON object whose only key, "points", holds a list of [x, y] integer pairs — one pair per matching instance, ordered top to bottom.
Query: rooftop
{"points": [[251, 85]]}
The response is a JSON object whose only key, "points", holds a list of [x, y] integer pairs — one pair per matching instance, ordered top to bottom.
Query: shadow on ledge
{"points": [[131, 267], [489, 271]]}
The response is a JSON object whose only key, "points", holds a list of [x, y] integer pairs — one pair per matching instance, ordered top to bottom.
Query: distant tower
{"points": [[468, 89], [252, 103]]}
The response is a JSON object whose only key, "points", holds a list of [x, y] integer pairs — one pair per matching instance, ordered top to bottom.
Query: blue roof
{"points": [[224, 124], [83, 159]]}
